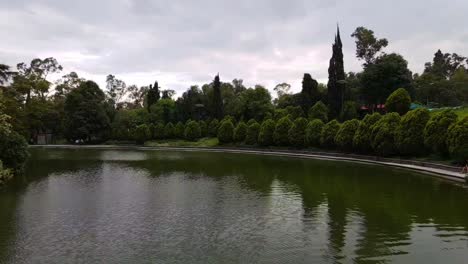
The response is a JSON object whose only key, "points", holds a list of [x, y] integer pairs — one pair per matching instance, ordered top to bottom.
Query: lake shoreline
{"points": [[433, 169]]}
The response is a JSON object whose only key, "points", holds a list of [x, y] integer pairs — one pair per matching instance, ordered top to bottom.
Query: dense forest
{"points": [[364, 112]]}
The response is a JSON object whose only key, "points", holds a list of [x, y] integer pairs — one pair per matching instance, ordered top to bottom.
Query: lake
{"points": [[142, 206]]}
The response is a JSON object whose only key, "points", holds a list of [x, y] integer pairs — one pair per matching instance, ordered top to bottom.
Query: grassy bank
{"points": [[461, 112], [203, 142], [213, 142]]}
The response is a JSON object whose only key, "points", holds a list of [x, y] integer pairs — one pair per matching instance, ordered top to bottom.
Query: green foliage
{"points": [[367, 45], [380, 78], [336, 86], [309, 93], [152, 95], [217, 99], [399, 101], [255, 103], [163, 111], [292, 111], [319, 111], [349, 111], [85, 115], [228, 118], [125, 121], [251, 121], [213, 127], [203, 128], [157, 130], [179, 130], [169, 131], [192, 131], [226, 132], [240, 132], [313, 132], [435, 132], [142, 133], [252, 133], [297, 133], [410, 133], [328, 134], [280, 135], [383, 135], [265, 136], [344, 137], [457, 140], [362, 141], [13, 147], [13, 150], [5, 174]]}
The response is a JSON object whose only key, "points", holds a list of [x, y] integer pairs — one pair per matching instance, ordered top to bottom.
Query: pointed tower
{"points": [[336, 78]]}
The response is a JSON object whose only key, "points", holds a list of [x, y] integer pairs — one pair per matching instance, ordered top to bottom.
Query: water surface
{"points": [[128, 206]]}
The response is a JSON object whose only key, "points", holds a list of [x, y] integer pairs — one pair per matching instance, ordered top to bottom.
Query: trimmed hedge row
{"points": [[415, 133]]}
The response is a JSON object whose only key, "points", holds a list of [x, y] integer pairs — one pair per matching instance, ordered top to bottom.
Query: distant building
{"points": [[365, 109], [43, 138]]}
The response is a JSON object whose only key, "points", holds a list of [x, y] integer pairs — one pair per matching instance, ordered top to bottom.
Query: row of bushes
{"points": [[415, 133]]}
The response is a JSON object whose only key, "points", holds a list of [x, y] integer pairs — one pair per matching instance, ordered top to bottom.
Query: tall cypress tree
{"points": [[336, 78], [309, 92], [153, 95], [217, 100]]}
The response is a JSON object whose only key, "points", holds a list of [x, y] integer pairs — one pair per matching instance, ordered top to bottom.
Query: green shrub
{"points": [[399, 101], [319, 111], [349, 111], [294, 112], [279, 113], [228, 118], [251, 121], [203, 128], [213, 128], [179, 130], [158, 131], [169, 131], [192, 131], [226, 131], [240, 132], [313, 132], [435, 132], [142, 133], [252, 133], [297, 133], [410, 133], [328, 134], [280, 135], [383, 135], [265, 136], [344, 137], [457, 140], [362, 141], [13, 147], [13, 150], [5, 174]]}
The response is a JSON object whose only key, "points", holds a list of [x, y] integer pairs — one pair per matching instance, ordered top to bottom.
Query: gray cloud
{"points": [[186, 42]]}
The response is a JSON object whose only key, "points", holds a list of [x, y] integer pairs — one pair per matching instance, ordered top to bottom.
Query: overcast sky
{"points": [[185, 42]]}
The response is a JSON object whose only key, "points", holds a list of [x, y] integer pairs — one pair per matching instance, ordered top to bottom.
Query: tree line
{"points": [[78, 110], [399, 132]]}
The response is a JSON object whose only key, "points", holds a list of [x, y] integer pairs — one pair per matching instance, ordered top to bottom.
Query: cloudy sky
{"points": [[185, 42]]}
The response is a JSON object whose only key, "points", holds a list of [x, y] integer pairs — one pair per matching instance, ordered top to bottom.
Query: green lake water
{"points": [[130, 206]]}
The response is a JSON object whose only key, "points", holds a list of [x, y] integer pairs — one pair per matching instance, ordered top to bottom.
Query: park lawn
{"points": [[461, 112], [203, 142]]}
